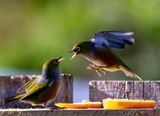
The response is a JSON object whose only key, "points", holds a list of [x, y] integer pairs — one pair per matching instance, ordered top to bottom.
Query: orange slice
{"points": [[125, 103], [80, 105]]}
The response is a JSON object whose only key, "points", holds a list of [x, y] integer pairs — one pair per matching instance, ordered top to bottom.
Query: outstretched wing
{"points": [[113, 39]]}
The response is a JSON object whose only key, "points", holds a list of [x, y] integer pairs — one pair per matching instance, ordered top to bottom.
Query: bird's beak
{"points": [[71, 51], [74, 54], [60, 59]]}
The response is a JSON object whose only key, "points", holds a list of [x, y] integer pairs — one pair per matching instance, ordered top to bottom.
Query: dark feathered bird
{"points": [[99, 51], [42, 89]]}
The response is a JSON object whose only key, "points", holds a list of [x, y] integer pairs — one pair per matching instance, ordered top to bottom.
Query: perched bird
{"points": [[99, 51], [43, 89]]}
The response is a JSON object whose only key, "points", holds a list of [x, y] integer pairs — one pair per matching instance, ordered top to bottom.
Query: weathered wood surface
{"points": [[10, 84], [100, 89], [80, 112]]}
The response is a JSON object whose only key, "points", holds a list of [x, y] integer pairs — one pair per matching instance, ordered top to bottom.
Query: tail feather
{"points": [[129, 73], [13, 99]]}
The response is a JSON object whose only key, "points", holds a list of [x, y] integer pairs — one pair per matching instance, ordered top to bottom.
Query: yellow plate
{"points": [[125, 103]]}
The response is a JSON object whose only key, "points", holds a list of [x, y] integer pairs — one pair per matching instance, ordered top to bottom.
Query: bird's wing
{"points": [[113, 39], [27, 86], [35, 88]]}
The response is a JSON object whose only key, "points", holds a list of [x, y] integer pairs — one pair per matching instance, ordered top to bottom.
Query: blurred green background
{"points": [[32, 31]]}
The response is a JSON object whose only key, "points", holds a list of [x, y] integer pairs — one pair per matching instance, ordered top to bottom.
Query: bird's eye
{"points": [[78, 49], [55, 62]]}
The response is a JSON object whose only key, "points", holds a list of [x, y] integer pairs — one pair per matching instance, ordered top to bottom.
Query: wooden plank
{"points": [[9, 85], [129, 86], [155, 88], [100, 89], [106, 89], [135, 89], [66, 90], [138, 90], [148, 90], [81, 112], [157, 112]]}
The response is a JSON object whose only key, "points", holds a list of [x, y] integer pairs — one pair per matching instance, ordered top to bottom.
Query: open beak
{"points": [[71, 51], [74, 54], [60, 59]]}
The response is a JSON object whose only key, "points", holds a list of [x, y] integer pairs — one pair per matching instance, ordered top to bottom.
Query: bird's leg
{"points": [[93, 67], [99, 69], [99, 73], [46, 105], [51, 106], [54, 107]]}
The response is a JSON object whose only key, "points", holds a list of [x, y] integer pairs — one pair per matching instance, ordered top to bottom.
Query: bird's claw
{"points": [[98, 69], [51, 107], [55, 108]]}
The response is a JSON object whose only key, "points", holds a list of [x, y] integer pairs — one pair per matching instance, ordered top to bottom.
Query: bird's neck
{"points": [[88, 52], [52, 75]]}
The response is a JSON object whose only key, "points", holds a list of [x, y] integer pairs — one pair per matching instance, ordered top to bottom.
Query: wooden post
{"points": [[9, 85], [100, 89]]}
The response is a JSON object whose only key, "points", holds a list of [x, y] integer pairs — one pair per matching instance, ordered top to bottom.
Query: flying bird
{"points": [[99, 50]]}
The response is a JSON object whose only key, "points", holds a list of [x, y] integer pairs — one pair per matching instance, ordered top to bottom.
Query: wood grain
{"points": [[100, 89], [106, 89], [81, 112]]}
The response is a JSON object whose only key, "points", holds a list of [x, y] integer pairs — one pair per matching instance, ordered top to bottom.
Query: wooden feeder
{"points": [[98, 90]]}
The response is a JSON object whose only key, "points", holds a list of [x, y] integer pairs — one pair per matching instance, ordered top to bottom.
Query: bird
{"points": [[100, 51], [41, 90]]}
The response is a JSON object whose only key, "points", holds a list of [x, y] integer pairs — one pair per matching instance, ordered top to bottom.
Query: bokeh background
{"points": [[32, 31]]}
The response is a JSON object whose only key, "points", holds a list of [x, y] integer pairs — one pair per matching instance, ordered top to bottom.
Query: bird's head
{"points": [[81, 48], [52, 64]]}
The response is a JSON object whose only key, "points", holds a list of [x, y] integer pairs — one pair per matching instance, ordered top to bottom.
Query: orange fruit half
{"points": [[125, 103]]}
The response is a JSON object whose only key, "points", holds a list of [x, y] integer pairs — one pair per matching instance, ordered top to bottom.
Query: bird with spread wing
{"points": [[99, 51]]}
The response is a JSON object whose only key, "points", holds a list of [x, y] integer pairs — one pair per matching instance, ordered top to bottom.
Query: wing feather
{"points": [[113, 39], [27, 86], [34, 89]]}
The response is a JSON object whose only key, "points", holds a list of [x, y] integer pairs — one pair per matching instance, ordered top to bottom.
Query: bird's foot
{"points": [[98, 69], [52, 108]]}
